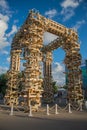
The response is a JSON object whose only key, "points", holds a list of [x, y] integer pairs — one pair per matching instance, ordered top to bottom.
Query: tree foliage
{"points": [[4, 79], [3, 82], [65, 86], [55, 87]]}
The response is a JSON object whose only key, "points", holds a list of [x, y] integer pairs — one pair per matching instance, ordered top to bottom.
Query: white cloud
{"points": [[70, 3], [3, 4], [4, 7], [68, 8], [51, 13], [68, 13], [5, 18], [16, 21], [79, 24], [3, 28], [14, 30], [4, 37], [48, 37], [4, 52], [8, 59], [3, 69], [58, 70], [58, 75]]}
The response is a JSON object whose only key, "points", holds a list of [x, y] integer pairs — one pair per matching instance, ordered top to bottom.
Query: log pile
{"points": [[30, 38], [73, 62], [12, 91], [48, 96]]}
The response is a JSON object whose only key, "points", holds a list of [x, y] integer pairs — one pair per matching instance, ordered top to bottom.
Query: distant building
{"points": [[84, 74]]}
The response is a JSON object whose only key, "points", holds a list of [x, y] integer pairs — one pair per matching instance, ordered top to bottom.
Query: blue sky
{"points": [[71, 13]]}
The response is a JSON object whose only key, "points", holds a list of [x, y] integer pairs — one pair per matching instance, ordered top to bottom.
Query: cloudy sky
{"points": [[71, 13]]}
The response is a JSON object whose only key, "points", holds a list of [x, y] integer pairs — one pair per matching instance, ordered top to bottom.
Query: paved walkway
{"points": [[43, 114], [62, 121]]}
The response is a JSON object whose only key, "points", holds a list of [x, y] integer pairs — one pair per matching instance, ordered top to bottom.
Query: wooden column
{"points": [[33, 57], [73, 62], [47, 71], [12, 90]]}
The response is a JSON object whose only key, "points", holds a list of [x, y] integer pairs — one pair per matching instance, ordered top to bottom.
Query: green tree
{"points": [[3, 83], [65, 86], [55, 87]]}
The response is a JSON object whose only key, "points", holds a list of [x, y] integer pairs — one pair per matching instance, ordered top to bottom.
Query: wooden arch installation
{"points": [[29, 41]]}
